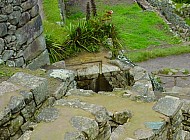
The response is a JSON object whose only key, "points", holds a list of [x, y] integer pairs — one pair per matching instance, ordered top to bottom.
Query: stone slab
{"points": [[37, 85], [168, 105]]}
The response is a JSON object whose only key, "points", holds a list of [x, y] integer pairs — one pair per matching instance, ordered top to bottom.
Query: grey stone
{"points": [[16, 2], [28, 4], [17, 8], [7, 9], [34, 11], [14, 17], [25, 17], [3, 18], [3, 29], [31, 30], [8, 39], [2, 44], [35, 48], [7, 54], [41, 60], [19, 62], [10, 63], [59, 64], [120, 64], [62, 74], [37, 85], [143, 90], [60, 91], [80, 92], [28, 96], [16, 104], [168, 105], [29, 111], [100, 113], [47, 115], [5, 116], [122, 116], [16, 124], [86, 125], [28, 126], [155, 126], [118, 132], [4, 133], [144, 134], [26, 135], [74, 136]]}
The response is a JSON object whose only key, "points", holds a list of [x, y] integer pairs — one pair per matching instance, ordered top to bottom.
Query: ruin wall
{"points": [[22, 43]]}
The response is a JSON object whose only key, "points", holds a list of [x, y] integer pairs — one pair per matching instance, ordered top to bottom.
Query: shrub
{"points": [[181, 1]]}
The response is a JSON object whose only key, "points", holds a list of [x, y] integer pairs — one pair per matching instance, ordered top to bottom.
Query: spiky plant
{"points": [[93, 6], [87, 11]]}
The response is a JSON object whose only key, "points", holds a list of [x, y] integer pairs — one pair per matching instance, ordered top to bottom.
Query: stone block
{"points": [[16, 2], [28, 4], [7, 9], [34, 11], [14, 17], [25, 17], [3, 18], [3, 29], [30, 31], [2, 44], [35, 48], [7, 54], [41, 60], [19, 62], [10, 63], [62, 74], [37, 85], [28, 96], [16, 104], [168, 106], [29, 110], [100, 112], [5, 116], [122, 116], [15, 124], [86, 125], [155, 126], [4, 133], [144, 134]]}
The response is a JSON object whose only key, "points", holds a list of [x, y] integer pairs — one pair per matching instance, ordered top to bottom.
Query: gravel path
{"points": [[175, 62]]}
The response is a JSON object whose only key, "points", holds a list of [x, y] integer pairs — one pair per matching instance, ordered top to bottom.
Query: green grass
{"points": [[140, 29], [161, 52]]}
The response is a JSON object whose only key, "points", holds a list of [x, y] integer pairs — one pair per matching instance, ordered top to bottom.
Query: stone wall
{"points": [[167, 9], [22, 43], [21, 98]]}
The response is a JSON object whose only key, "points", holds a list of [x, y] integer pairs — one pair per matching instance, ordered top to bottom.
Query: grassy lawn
{"points": [[137, 29]]}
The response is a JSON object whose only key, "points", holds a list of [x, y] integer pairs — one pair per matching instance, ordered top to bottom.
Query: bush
{"points": [[182, 1], [88, 35]]}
